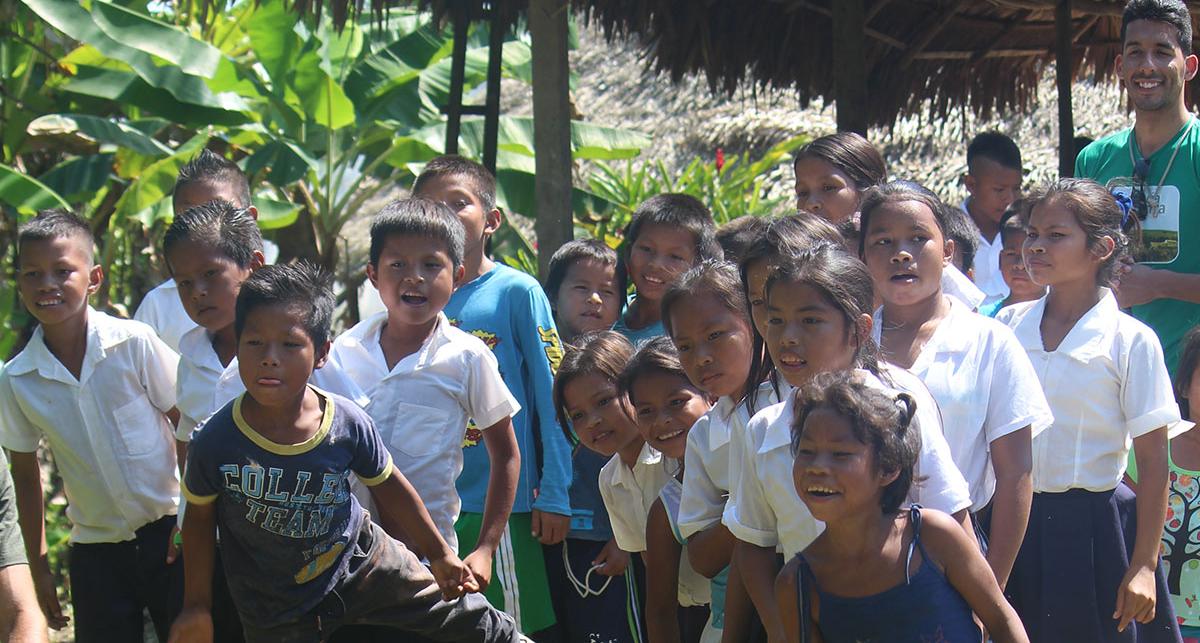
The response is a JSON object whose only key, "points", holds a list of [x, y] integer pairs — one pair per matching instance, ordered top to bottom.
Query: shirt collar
{"points": [[956, 284], [1090, 336], [365, 337], [196, 346], [36, 356], [718, 420], [779, 431], [647, 457]]}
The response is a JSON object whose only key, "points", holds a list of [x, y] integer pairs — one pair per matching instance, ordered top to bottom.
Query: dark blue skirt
{"points": [[1075, 554]]}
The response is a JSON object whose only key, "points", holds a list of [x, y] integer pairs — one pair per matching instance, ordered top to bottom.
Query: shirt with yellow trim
{"points": [[287, 518]]}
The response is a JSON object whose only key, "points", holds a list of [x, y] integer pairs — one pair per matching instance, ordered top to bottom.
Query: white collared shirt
{"points": [[988, 276], [958, 286], [163, 311], [1106, 383], [985, 387], [421, 407], [108, 432], [715, 448], [628, 494], [769, 512]]}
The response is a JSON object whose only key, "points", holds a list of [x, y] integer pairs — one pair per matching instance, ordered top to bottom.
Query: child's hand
{"points": [[550, 529], [612, 561], [480, 564], [453, 577], [47, 593], [1135, 598], [193, 625]]}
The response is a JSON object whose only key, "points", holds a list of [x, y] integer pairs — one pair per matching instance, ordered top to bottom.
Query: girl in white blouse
{"points": [[1088, 569]]}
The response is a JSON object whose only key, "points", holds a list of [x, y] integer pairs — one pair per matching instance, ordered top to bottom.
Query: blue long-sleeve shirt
{"points": [[508, 310]]}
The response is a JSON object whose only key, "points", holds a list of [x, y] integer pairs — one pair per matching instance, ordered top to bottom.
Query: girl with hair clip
{"points": [[818, 304], [1104, 376], [992, 404], [666, 405], [877, 572]]}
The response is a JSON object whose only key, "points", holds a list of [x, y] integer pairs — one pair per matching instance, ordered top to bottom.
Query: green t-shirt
{"points": [[1171, 232], [1180, 547]]}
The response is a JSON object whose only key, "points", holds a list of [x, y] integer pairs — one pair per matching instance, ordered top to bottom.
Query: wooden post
{"points": [[1063, 40], [849, 56], [458, 68], [491, 117], [551, 127]]}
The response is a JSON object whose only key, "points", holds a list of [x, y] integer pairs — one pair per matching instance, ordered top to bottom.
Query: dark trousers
{"points": [[111, 583], [386, 585], [613, 616]]}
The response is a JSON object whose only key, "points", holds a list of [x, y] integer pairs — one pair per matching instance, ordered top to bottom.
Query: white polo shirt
{"points": [[987, 264], [960, 287], [163, 311], [1106, 383], [985, 387], [422, 406], [107, 430], [715, 446], [628, 494], [769, 512]]}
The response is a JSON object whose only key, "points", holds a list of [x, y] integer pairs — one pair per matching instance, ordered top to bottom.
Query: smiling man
{"points": [[1156, 163]]}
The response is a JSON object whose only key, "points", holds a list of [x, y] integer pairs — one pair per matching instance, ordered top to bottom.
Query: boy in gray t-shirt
{"points": [[271, 471]]}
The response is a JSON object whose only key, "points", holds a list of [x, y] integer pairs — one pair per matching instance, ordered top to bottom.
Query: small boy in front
{"points": [[993, 181], [507, 309], [426, 378], [100, 391], [271, 470]]}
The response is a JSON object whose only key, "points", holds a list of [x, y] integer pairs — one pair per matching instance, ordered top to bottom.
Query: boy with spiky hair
{"points": [[993, 182], [507, 310], [101, 392], [271, 470]]}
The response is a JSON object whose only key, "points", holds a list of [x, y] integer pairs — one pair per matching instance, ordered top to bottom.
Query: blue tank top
{"points": [[925, 608]]}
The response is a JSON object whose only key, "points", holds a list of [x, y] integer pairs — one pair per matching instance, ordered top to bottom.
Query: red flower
{"points": [[720, 159]]}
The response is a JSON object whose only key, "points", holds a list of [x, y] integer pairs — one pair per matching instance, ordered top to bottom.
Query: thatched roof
{"points": [[987, 54]]}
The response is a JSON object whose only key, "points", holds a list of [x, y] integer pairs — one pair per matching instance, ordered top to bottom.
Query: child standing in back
{"points": [[993, 182], [668, 234], [1012, 263], [586, 291], [507, 310], [1107, 384], [877, 572]]}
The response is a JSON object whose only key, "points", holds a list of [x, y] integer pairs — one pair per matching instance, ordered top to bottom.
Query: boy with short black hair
{"points": [[993, 181], [965, 235], [1012, 263], [585, 284], [507, 310], [425, 378], [100, 391], [271, 470]]}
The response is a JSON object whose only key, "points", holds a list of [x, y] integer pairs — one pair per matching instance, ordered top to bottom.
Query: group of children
{"points": [[881, 418]]}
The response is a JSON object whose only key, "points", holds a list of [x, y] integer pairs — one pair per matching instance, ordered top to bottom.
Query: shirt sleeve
{"points": [[542, 351], [160, 365], [488, 398], [1147, 398], [1016, 399], [17, 433], [372, 462], [937, 482], [201, 484], [702, 502], [751, 518], [628, 530], [12, 547]]}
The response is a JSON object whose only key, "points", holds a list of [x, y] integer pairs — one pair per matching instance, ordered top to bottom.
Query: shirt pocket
{"points": [[139, 426], [416, 430]]}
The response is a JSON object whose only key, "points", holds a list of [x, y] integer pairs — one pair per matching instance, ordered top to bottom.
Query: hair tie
{"points": [[1126, 205]]}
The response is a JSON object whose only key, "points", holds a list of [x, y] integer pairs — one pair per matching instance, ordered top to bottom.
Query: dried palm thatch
{"points": [[986, 54]]}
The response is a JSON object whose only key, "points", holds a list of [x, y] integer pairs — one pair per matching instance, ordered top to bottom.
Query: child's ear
{"points": [[1190, 66], [969, 182], [253, 212], [492, 221], [1104, 248], [947, 252], [257, 261], [459, 273], [373, 275], [95, 278], [863, 328], [322, 355], [888, 477]]}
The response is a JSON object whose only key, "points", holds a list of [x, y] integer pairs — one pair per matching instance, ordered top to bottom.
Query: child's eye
{"points": [[831, 188], [801, 194], [1057, 235], [882, 241], [678, 258], [396, 264], [433, 264], [210, 273], [757, 302], [811, 320], [774, 321], [715, 334], [253, 342], [293, 344], [682, 348], [604, 401], [643, 412], [574, 417], [804, 451]]}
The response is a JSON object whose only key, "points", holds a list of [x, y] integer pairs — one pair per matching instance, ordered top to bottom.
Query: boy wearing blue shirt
{"points": [[509, 312], [271, 470]]}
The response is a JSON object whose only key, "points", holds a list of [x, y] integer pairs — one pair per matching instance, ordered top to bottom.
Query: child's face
{"points": [[993, 188], [825, 190], [459, 195], [1056, 247], [905, 252], [657, 256], [1012, 268], [55, 278], [415, 278], [208, 282], [756, 283], [587, 298], [806, 334], [714, 345], [276, 355], [667, 406], [600, 414], [834, 472]]}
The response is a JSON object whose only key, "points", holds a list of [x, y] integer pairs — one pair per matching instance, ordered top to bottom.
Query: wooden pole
{"points": [[1063, 39], [849, 56], [458, 66], [491, 117], [551, 127]]}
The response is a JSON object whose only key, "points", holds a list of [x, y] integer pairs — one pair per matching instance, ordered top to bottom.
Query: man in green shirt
{"points": [[1157, 164]]}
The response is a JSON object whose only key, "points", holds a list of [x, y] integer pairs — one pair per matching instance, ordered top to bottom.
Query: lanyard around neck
{"points": [[1170, 162]]}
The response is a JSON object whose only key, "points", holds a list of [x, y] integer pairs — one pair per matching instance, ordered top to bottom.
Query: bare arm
{"points": [[1141, 285], [504, 460], [1012, 461], [27, 483], [963, 518], [710, 551], [759, 567], [969, 573], [662, 577], [1135, 599], [787, 600], [739, 611], [21, 620], [194, 623]]}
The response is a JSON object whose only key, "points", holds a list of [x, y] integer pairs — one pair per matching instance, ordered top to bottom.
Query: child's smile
{"points": [[55, 278], [667, 406], [599, 414], [832, 467]]}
